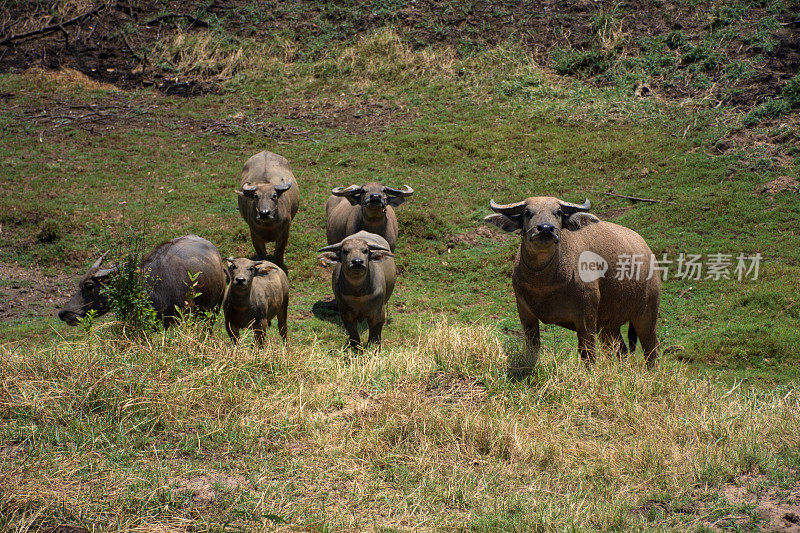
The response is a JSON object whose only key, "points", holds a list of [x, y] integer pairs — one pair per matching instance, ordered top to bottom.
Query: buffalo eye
{"points": [[256, 196], [274, 196], [559, 213], [528, 214], [89, 285]]}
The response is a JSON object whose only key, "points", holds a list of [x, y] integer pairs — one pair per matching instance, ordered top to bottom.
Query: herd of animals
{"points": [[362, 232]]}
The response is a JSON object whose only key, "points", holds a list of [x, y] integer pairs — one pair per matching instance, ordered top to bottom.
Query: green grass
{"points": [[123, 424]]}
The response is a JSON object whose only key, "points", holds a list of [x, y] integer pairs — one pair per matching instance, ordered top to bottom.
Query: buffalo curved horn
{"points": [[285, 186], [248, 189], [347, 191], [402, 193], [569, 208], [507, 209], [331, 248], [100, 261]]}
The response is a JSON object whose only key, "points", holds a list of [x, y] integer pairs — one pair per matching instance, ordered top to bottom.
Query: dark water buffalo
{"points": [[268, 201], [367, 207], [167, 270], [576, 271], [363, 279], [258, 292]]}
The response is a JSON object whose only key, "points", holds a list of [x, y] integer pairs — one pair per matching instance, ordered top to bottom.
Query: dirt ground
{"points": [[89, 41]]}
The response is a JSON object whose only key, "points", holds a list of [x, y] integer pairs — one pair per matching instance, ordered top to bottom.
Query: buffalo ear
{"points": [[394, 201], [579, 220], [503, 222], [379, 255], [328, 258], [263, 269]]}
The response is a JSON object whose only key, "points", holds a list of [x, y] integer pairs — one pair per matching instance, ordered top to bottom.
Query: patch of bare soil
{"points": [[120, 112], [779, 185], [476, 236], [28, 292], [204, 489], [779, 508]]}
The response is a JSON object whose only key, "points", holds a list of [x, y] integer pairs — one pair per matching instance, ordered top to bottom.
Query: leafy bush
{"points": [[127, 290]]}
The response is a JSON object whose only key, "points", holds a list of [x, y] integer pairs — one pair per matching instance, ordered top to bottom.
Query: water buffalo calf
{"points": [[258, 291]]}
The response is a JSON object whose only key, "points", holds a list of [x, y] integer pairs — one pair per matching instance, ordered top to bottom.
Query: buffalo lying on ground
{"points": [[268, 201], [367, 207], [166, 271], [576, 271], [363, 279], [258, 292]]}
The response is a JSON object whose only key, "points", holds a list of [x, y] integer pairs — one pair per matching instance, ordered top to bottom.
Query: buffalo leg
{"points": [[258, 245], [280, 251], [282, 314], [646, 329], [375, 330], [233, 332], [259, 332], [586, 332], [354, 340], [613, 343], [521, 365]]}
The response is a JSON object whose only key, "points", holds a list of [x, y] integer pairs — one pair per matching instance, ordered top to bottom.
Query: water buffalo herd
{"points": [[362, 232]]}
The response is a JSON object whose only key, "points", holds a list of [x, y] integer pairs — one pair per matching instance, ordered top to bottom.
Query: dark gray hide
{"points": [[269, 198], [368, 207], [167, 268], [362, 281]]}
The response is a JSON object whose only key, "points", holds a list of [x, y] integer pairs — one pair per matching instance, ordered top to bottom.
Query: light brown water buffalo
{"points": [[268, 201], [368, 207], [166, 270], [581, 273], [363, 280], [258, 291]]}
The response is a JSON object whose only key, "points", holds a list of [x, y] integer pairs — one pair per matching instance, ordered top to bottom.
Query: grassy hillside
{"points": [[178, 431]]}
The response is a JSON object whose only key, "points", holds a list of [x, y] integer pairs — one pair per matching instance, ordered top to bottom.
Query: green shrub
{"points": [[127, 289]]}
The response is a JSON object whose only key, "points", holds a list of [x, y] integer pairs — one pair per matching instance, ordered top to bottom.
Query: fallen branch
{"points": [[52, 27], [635, 198]]}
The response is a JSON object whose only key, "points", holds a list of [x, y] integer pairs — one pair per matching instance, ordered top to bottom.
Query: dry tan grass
{"points": [[206, 54], [382, 56], [64, 78], [425, 436]]}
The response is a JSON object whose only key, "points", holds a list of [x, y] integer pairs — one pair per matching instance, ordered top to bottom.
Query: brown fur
{"points": [[263, 172], [548, 288], [257, 292]]}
